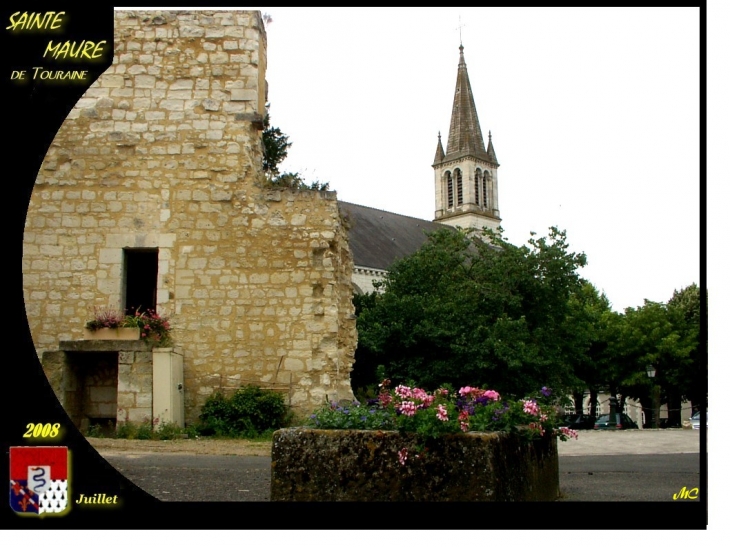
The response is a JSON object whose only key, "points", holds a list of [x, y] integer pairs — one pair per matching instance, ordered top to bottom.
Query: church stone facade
{"points": [[153, 186]]}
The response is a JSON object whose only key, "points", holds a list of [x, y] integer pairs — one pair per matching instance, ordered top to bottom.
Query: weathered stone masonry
{"points": [[164, 152]]}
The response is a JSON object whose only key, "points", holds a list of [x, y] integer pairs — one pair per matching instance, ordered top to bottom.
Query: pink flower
{"points": [[403, 391], [418, 393], [491, 394], [530, 407], [407, 408], [441, 414], [543, 417], [464, 420], [568, 432], [403, 456]]}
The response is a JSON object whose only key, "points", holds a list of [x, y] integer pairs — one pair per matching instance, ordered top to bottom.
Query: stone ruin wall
{"points": [[164, 151]]}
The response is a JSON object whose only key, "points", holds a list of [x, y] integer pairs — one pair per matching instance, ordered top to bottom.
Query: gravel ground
{"points": [[213, 447], [182, 475]]}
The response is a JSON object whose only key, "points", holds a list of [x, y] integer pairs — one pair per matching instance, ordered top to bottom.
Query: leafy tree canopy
{"points": [[276, 146], [275, 150], [467, 310], [666, 337]]}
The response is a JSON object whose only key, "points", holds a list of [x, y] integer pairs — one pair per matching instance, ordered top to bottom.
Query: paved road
{"points": [[634, 441], [599, 466], [185, 477]]}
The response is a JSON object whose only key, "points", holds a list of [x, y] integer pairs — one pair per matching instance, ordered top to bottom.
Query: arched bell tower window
{"points": [[477, 178], [459, 187], [486, 188], [449, 189]]}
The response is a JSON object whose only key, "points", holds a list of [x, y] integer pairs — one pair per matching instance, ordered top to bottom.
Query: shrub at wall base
{"points": [[359, 465]]}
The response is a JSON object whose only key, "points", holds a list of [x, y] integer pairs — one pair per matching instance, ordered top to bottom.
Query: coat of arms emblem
{"points": [[39, 479]]}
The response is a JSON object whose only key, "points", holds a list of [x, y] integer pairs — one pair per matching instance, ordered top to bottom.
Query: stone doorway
{"points": [[106, 383], [91, 394]]}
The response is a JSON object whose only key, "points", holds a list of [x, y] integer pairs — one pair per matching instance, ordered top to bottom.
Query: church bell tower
{"points": [[466, 175]]}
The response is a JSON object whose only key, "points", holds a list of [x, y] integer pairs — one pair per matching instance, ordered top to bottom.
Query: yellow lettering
{"points": [[57, 20], [36, 21], [14, 23], [52, 49], [85, 49], [63, 50], [98, 50], [39, 73], [687, 494]]}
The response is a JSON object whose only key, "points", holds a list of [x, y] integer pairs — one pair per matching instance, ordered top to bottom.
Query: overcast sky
{"points": [[594, 114]]}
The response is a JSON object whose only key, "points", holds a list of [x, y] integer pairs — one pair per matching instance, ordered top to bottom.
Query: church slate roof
{"points": [[465, 134], [438, 158], [378, 238]]}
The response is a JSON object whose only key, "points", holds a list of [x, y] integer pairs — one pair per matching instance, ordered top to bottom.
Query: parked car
{"points": [[695, 420], [579, 421], [622, 422]]}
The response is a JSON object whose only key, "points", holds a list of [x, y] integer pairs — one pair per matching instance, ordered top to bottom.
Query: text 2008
{"points": [[42, 430]]}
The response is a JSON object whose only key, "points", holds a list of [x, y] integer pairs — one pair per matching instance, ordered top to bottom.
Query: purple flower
{"points": [[546, 391]]}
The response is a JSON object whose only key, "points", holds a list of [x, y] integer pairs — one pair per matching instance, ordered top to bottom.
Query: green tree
{"points": [[275, 146], [275, 150], [464, 310], [591, 330], [666, 337], [687, 372]]}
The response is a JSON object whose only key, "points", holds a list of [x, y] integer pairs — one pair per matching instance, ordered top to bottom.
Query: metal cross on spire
{"points": [[459, 29]]}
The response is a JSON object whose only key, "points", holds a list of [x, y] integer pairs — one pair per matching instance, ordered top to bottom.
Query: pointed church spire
{"points": [[465, 134], [439, 151], [490, 151], [465, 178]]}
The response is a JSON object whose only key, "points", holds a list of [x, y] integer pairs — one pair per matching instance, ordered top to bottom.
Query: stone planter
{"points": [[122, 333], [350, 465]]}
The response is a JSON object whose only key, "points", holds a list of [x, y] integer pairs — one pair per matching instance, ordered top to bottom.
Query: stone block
{"points": [[244, 95], [103, 394], [139, 415], [351, 465]]}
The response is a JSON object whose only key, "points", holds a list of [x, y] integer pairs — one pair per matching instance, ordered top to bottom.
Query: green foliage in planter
{"points": [[105, 318], [154, 328], [447, 411], [249, 413], [352, 416]]}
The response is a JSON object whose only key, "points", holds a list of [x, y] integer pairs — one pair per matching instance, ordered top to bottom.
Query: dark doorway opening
{"points": [[140, 280], [91, 389]]}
